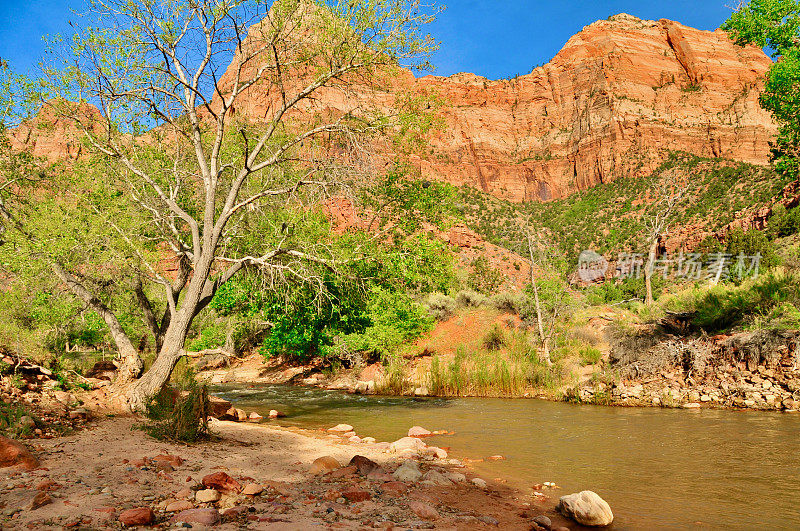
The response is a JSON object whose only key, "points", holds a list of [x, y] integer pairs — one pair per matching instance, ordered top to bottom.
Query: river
{"points": [[657, 468]]}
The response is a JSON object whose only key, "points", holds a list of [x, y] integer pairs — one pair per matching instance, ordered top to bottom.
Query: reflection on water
{"points": [[658, 469]]}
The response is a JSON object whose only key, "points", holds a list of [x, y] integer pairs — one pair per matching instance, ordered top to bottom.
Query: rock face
{"points": [[616, 97], [54, 138], [586, 508]]}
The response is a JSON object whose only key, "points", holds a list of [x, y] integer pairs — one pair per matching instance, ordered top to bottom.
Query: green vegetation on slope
{"points": [[609, 217]]}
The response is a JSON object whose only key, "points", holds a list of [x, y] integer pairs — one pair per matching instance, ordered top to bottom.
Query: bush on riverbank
{"points": [[510, 371]]}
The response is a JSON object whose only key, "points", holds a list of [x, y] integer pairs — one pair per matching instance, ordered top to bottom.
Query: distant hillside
{"points": [[609, 218]]}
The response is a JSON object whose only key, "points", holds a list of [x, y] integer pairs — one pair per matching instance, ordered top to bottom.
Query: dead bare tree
{"points": [[168, 124], [669, 195], [545, 261]]}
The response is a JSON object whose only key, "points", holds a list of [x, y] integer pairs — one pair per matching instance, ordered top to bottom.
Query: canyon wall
{"points": [[611, 103]]}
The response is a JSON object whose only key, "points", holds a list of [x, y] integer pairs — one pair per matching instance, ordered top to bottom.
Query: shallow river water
{"points": [[657, 468]]}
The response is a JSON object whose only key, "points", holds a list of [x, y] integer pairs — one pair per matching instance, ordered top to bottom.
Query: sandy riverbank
{"points": [[94, 475]]}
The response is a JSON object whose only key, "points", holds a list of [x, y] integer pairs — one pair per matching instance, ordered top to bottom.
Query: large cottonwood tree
{"points": [[169, 79]]}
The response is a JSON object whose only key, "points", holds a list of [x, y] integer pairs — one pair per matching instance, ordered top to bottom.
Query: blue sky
{"points": [[493, 38]]}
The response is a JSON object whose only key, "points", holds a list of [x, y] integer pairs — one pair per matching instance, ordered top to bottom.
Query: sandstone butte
{"points": [[617, 97]]}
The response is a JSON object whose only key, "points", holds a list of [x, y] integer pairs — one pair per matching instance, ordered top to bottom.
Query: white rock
{"points": [[341, 428], [418, 431], [407, 443], [408, 472], [434, 477], [456, 477], [478, 482], [207, 496], [586, 508]]}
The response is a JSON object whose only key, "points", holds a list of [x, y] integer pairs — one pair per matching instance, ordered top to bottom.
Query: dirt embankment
{"points": [[659, 365]]}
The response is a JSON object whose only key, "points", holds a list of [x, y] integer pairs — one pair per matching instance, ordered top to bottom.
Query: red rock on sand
{"points": [[14, 453], [167, 459], [364, 465], [343, 472], [222, 482], [48, 485], [395, 488], [252, 489], [356, 495], [40, 500], [178, 506], [138, 516]]}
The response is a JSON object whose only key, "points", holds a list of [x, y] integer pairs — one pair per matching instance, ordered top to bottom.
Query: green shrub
{"points": [[783, 222], [750, 243], [484, 278], [627, 289], [470, 299], [508, 302], [441, 306], [724, 306], [395, 319], [494, 339], [589, 355], [10, 415], [177, 416]]}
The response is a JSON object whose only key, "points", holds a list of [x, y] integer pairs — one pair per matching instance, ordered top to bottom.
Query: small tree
{"points": [[179, 174], [551, 298]]}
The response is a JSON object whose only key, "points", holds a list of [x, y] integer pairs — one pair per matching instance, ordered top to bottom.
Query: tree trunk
{"points": [[648, 271], [542, 337], [171, 350], [159, 373]]}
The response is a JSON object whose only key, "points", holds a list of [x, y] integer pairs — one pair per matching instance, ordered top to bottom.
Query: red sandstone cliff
{"points": [[610, 103]]}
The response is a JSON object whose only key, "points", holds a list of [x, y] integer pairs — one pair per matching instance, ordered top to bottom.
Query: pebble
{"points": [[252, 489], [178, 506], [137, 517]]}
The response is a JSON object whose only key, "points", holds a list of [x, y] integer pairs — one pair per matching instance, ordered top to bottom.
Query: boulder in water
{"points": [[586, 508]]}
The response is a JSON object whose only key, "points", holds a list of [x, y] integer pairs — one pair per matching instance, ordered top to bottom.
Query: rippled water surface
{"points": [[658, 469]]}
